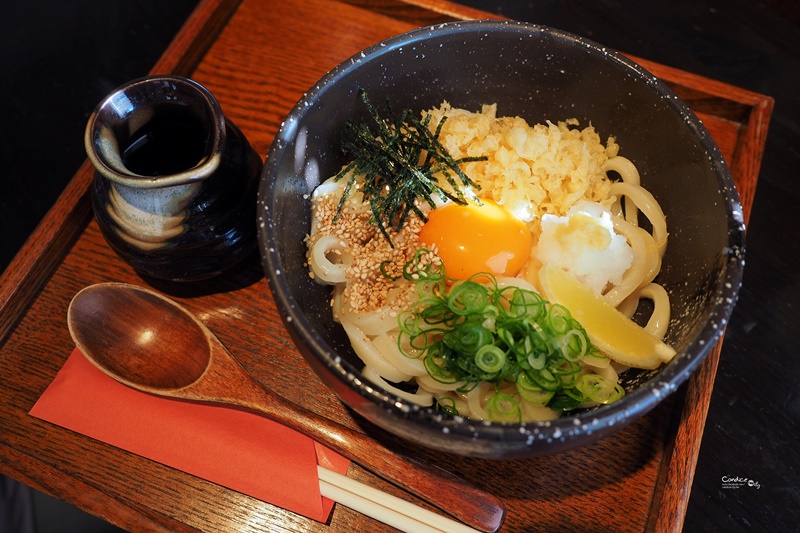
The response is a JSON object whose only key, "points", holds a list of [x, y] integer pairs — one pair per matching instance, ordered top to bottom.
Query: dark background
{"points": [[58, 59]]}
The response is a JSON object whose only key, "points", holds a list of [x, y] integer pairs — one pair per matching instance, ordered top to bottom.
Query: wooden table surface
{"points": [[258, 62]]}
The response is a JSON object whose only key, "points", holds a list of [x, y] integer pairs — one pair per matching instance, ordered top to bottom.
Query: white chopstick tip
{"points": [[384, 507]]}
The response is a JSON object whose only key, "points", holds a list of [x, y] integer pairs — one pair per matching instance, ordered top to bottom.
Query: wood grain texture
{"points": [[422, 12], [195, 37], [258, 59], [184, 360]]}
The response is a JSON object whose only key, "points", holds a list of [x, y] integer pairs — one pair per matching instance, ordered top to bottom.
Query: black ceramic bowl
{"points": [[540, 74]]}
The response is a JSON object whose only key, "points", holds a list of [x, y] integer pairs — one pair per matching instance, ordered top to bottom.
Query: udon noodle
{"points": [[542, 174]]}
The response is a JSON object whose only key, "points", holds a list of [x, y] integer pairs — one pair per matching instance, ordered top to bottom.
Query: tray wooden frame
{"points": [[638, 480]]}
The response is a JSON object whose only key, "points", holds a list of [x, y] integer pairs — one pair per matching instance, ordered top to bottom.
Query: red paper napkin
{"points": [[236, 449]]}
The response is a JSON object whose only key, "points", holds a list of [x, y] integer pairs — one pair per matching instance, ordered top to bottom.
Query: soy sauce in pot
{"points": [[169, 144]]}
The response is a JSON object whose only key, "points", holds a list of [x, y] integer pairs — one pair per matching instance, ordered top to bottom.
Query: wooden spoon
{"points": [[149, 342]]}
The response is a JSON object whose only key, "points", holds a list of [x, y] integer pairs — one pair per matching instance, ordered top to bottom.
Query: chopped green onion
{"points": [[468, 298], [558, 319], [477, 332], [467, 338], [574, 344], [490, 358], [537, 360], [599, 389], [529, 392], [447, 405], [503, 408]]}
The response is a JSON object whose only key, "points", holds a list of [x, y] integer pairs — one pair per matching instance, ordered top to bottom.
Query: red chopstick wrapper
{"points": [[236, 449]]}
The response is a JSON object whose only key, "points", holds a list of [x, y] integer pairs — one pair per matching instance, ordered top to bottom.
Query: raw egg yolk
{"points": [[475, 238]]}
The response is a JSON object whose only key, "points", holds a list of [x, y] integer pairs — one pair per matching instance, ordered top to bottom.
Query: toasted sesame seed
{"points": [[368, 289]]}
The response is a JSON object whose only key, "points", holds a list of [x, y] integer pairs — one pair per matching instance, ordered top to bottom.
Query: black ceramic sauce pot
{"points": [[176, 183]]}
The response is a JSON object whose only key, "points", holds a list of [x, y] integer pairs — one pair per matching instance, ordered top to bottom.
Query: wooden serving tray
{"points": [[258, 57]]}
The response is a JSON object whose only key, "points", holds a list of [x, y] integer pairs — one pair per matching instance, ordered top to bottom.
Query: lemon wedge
{"points": [[616, 335]]}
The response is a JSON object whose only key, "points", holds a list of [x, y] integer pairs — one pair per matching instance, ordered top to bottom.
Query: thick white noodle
{"points": [[629, 174], [645, 201], [646, 263], [325, 270], [522, 283], [629, 305], [659, 320], [371, 323], [387, 345], [370, 355], [595, 362], [607, 371], [430, 384], [420, 397], [476, 399], [537, 412]]}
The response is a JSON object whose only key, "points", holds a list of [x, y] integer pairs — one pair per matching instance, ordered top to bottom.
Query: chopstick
{"points": [[384, 507]]}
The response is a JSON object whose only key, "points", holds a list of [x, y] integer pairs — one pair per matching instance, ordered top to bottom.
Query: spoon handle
{"points": [[430, 483]]}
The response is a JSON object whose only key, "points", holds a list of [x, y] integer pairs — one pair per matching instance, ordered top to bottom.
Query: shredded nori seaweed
{"points": [[400, 165]]}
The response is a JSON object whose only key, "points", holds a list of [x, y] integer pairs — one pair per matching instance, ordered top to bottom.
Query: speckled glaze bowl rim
{"points": [[564, 429]]}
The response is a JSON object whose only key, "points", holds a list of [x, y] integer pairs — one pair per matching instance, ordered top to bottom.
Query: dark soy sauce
{"points": [[170, 143]]}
